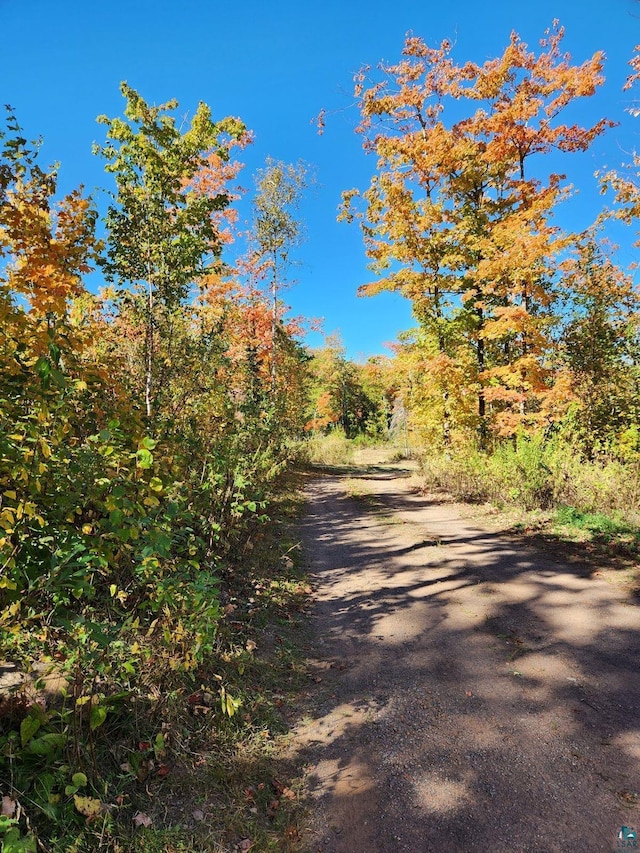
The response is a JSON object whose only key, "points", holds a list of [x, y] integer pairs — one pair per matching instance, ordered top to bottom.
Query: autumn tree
{"points": [[456, 220], [162, 229], [276, 232], [45, 248], [599, 344], [345, 393], [439, 400]]}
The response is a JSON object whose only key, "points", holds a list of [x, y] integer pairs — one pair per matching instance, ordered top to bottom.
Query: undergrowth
{"points": [[333, 448], [593, 500], [189, 763]]}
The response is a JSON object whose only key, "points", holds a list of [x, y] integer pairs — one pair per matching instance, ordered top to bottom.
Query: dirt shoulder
{"points": [[469, 692]]}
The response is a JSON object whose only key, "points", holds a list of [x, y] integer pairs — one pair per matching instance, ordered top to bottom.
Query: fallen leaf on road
{"points": [[628, 798]]}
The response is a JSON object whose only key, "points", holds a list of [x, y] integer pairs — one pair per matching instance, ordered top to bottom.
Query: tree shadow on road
{"points": [[476, 693]]}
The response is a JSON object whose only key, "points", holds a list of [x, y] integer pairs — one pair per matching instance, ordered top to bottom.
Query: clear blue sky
{"points": [[276, 64]]}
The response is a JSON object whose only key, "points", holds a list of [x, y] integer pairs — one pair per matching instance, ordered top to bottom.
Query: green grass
{"points": [[600, 527], [610, 535]]}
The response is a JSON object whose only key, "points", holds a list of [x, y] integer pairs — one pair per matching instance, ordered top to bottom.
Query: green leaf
{"points": [[43, 368], [58, 378], [148, 443], [144, 458], [155, 484], [97, 717], [28, 727], [47, 744], [159, 747], [79, 780], [7, 823], [14, 843]]}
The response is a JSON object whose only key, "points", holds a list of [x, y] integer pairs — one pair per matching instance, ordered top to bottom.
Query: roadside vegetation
{"points": [[520, 384], [144, 432], [548, 491]]}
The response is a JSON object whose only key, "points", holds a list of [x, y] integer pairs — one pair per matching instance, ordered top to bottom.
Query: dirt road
{"points": [[468, 693]]}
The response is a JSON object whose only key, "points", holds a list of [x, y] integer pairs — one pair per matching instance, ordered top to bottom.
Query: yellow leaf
{"points": [[10, 494], [87, 528], [8, 615], [88, 806]]}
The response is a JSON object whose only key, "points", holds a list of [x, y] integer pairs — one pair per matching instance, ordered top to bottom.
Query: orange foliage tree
{"points": [[456, 220]]}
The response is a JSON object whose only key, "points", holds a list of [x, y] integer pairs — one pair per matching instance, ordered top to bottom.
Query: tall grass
{"points": [[331, 449], [535, 473]]}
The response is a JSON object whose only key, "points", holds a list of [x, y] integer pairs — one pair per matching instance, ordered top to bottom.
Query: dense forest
{"points": [[145, 425]]}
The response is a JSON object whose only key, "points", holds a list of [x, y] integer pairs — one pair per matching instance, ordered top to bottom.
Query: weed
{"points": [[331, 449], [538, 474], [597, 527]]}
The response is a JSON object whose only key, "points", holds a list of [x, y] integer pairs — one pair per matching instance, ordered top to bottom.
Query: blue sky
{"points": [[276, 65]]}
